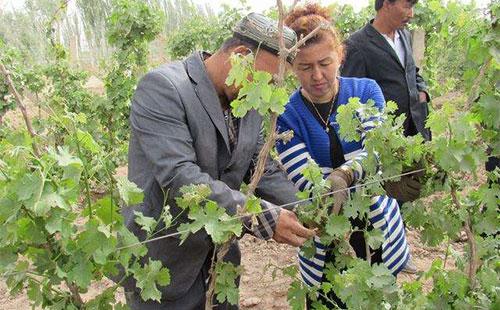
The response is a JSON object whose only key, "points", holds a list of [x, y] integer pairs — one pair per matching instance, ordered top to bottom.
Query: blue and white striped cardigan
{"points": [[311, 142]]}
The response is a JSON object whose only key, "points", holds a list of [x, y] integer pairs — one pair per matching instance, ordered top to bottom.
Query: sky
{"points": [[256, 5], [260, 5]]}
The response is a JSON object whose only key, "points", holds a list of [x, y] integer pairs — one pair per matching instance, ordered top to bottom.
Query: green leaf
{"points": [[239, 69], [278, 100], [348, 120], [88, 143], [64, 158], [28, 185], [129, 192], [193, 195], [48, 200], [253, 205], [9, 208], [106, 210], [166, 216], [60, 221], [216, 222], [148, 224], [337, 226], [29, 231], [375, 238], [96, 241], [131, 247], [308, 248], [8, 257], [81, 271], [148, 277], [382, 277], [225, 282], [34, 292], [297, 294]]}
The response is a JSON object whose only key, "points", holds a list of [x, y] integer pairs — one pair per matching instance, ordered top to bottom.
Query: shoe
{"points": [[410, 267]]}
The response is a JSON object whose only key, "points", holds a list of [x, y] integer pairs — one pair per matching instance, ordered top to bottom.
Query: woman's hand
{"points": [[341, 179]]}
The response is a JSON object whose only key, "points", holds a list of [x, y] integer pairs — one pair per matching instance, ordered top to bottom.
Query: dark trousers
{"points": [[357, 241], [194, 299]]}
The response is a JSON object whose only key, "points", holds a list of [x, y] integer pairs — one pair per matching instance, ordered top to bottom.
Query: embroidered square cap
{"points": [[262, 31]]}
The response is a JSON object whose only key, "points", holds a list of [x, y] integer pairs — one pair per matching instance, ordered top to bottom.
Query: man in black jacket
{"points": [[382, 51]]}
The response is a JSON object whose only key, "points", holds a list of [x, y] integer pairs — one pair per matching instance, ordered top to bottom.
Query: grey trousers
{"points": [[194, 299]]}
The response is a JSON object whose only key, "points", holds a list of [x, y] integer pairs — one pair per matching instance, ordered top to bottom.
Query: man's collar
{"points": [[373, 31], [195, 67]]}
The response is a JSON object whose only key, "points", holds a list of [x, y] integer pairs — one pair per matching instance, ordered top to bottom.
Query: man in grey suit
{"points": [[382, 51], [182, 132]]}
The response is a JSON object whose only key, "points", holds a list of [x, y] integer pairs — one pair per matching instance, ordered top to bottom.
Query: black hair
{"points": [[380, 3], [236, 41]]}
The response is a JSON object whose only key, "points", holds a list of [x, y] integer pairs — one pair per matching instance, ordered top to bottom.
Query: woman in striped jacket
{"points": [[311, 115]]}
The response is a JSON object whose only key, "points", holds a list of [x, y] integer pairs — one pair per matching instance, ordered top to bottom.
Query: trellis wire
{"points": [[279, 206]]}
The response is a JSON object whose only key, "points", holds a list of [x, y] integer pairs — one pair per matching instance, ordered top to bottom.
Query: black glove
{"points": [[405, 190]]}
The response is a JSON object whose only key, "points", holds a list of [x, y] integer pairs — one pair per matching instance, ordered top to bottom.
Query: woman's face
{"points": [[316, 66]]}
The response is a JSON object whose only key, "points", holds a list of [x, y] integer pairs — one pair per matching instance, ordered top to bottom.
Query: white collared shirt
{"points": [[397, 45]]}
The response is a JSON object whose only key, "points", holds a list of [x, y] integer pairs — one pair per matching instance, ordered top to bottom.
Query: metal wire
{"points": [[276, 207]]}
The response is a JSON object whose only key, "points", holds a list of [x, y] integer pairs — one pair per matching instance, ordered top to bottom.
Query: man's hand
{"points": [[422, 97], [340, 180], [290, 231]]}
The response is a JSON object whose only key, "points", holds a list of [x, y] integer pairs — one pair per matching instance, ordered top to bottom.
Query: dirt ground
{"points": [[259, 259]]}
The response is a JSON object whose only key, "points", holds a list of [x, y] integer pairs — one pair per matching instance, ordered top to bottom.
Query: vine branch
{"points": [[474, 92], [21, 106], [474, 261]]}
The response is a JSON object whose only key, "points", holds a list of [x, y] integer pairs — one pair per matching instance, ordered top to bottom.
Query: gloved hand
{"points": [[340, 179], [405, 190]]}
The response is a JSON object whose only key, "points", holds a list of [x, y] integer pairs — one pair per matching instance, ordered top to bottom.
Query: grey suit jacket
{"points": [[370, 55], [179, 137]]}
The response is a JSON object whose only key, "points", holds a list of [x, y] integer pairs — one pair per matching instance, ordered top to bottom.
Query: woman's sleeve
{"points": [[294, 156]]}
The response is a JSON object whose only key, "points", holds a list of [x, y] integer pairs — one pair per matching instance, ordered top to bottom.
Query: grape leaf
{"points": [[129, 192], [148, 224], [337, 226], [148, 277], [225, 283]]}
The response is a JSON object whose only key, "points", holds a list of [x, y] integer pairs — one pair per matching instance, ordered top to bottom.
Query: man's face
{"points": [[399, 12], [264, 61]]}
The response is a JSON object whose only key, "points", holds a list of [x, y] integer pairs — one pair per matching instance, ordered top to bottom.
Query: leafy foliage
{"points": [[131, 26], [462, 29], [203, 33], [256, 92], [206, 214], [147, 277], [225, 286]]}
